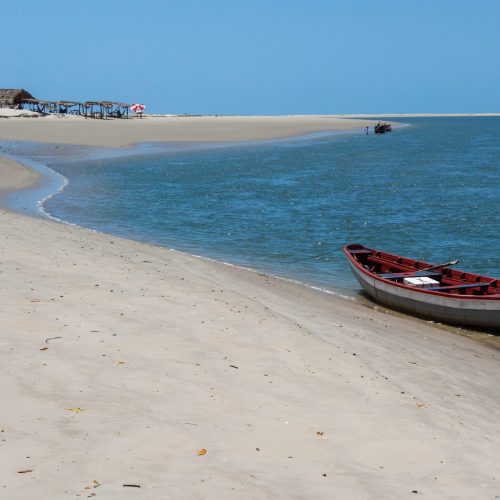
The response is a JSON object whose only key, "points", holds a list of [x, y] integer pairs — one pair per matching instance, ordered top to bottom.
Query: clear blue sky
{"points": [[258, 56]]}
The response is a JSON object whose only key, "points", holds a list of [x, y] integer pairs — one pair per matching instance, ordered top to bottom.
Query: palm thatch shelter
{"points": [[13, 98], [20, 98], [40, 106], [68, 107], [92, 109], [104, 109], [113, 109]]}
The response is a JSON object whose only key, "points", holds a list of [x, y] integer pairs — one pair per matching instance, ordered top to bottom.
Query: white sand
{"points": [[18, 113], [67, 129], [292, 392]]}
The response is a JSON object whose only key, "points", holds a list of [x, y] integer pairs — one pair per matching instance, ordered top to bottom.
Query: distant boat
{"points": [[382, 128], [435, 292]]}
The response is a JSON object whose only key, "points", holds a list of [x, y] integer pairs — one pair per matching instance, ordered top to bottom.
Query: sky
{"points": [[259, 57]]}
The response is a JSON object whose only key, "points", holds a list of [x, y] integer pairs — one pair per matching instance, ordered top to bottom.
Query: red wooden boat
{"points": [[436, 292]]}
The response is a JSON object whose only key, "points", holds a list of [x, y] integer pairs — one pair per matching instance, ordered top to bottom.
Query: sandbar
{"points": [[68, 129]]}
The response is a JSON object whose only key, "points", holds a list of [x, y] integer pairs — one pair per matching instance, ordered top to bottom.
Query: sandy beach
{"points": [[68, 129], [134, 372]]}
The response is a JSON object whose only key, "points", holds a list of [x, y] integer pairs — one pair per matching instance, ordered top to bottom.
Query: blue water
{"points": [[429, 190]]}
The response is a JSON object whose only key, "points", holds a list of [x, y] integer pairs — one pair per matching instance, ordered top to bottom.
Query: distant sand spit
{"points": [[421, 115], [65, 129], [69, 129]]}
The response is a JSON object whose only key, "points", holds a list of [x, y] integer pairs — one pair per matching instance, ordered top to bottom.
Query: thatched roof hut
{"points": [[13, 98], [19, 98]]}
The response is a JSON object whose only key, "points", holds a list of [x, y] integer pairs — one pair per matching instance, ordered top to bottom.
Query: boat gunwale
{"points": [[425, 291]]}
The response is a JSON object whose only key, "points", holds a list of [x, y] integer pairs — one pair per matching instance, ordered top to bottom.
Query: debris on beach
{"points": [[51, 338], [76, 410], [201, 452], [24, 471], [95, 484]]}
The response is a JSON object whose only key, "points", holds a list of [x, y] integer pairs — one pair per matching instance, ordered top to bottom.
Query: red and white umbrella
{"points": [[138, 108]]}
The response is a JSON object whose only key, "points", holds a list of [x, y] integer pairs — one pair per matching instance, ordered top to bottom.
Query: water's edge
{"points": [[31, 201]]}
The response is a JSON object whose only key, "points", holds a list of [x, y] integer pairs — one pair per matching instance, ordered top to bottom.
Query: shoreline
{"points": [[97, 152], [17, 169], [20, 177], [26, 179], [123, 360]]}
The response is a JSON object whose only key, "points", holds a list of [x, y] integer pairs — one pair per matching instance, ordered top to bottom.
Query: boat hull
{"points": [[458, 311]]}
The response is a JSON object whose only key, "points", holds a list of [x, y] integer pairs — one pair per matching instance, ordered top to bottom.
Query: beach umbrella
{"points": [[138, 108]]}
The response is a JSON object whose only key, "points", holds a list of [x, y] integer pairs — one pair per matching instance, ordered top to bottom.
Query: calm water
{"points": [[430, 190]]}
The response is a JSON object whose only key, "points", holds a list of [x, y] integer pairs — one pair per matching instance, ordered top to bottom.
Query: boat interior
{"points": [[442, 279]]}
